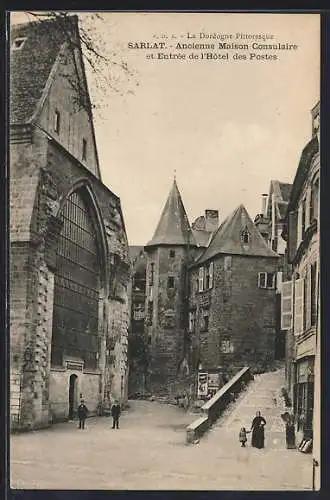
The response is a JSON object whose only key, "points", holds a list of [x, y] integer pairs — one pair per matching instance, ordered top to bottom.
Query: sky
{"points": [[226, 128]]}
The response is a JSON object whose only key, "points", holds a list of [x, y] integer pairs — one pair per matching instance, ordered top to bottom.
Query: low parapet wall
{"points": [[215, 406]]}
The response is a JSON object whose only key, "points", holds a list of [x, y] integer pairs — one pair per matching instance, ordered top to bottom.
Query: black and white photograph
{"points": [[164, 251]]}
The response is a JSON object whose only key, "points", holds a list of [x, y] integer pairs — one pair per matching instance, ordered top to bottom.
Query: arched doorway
{"points": [[77, 285], [73, 393]]}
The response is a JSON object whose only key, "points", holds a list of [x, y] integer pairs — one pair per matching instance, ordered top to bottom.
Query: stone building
{"points": [[270, 223], [169, 253], [69, 266], [300, 295], [210, 296], [232, 299], [137, 339]]}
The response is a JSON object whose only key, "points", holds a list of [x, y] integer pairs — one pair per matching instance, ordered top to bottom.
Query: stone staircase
{"points": [[290, 467]]}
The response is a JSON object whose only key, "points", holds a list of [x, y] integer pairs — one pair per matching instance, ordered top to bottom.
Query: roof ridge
{"points": [[173, 227], [227, 239]]}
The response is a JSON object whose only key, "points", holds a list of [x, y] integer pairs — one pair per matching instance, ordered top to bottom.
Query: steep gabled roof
{"points": [[30, 65], [33, 66], [285, 190], [173, 227], [202, 237], [227, 239]]}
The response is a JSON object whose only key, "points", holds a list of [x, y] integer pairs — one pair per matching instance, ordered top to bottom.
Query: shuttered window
{"points": [[211, 275], [201, 279], [286, 305], [298, 325]]}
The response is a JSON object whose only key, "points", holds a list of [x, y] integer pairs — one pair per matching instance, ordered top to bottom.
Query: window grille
{"points": [[76, 293]]}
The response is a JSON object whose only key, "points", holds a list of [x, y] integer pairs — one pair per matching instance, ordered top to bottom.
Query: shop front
{"points": [[304, 397]]}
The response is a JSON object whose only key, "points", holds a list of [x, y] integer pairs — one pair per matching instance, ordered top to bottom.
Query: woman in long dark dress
{"points": [[258, 431], [290, 434]]}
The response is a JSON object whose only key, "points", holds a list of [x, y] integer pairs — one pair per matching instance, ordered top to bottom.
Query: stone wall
{"points": [[43, 175], [238, 311], [166, 330]]}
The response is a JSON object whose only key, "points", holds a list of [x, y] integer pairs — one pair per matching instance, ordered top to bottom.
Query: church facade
{"points": [[69, 266]]}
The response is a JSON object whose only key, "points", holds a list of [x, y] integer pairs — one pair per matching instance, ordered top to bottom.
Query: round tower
{"points": [[168, 255]]}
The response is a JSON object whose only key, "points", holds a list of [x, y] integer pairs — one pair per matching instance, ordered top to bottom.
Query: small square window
{"points": [[57, 121], [84, 149], [245, 237], [172, 254], [266, 280], [170, 282]]}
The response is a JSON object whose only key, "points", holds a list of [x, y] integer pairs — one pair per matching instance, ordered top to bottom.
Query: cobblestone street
{"points": [[149, 451]]}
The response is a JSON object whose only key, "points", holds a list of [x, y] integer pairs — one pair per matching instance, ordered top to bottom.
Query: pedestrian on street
{"points": [[115, 413], [82, 414], [258, 431], [290, 434], [242, 436]]}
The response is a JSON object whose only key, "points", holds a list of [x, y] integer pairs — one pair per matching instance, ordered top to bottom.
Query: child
{"points": [[242, 436]]}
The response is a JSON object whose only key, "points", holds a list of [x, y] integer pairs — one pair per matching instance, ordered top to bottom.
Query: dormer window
{"points": [[18, 43], [57, 121], [84, 149], [245, 237]]}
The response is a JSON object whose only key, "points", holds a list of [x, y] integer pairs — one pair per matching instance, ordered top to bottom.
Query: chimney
{"points": [[264, 204], [211, 220]]}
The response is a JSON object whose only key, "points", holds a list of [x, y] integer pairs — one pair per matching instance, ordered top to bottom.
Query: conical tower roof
{"points": [[173, 227], [229, 238]]}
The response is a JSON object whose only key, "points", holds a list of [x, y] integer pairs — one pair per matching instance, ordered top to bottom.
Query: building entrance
{"points": [[72, 395]]}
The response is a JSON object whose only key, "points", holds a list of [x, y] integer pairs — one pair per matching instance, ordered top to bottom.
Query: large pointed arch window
{"points": [[77, 282]]}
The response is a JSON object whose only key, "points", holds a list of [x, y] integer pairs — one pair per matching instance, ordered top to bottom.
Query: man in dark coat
{"points": [[115, 413], [82, 414]]}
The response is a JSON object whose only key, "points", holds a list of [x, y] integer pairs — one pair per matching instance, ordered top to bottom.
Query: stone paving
{"points": [[149, 451]]}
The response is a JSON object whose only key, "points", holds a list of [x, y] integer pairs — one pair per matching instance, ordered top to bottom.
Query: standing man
{"points": [[115, 413], [82, 414]]}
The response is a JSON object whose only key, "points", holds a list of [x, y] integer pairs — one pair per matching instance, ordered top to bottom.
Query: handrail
{"points": [[224, 389], [213, 408]]}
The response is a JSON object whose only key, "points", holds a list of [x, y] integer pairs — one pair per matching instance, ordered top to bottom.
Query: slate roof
{"points": [[30, 66], [285, 190], [173, 227], [202, 237], [227, 239], [134, 251]]}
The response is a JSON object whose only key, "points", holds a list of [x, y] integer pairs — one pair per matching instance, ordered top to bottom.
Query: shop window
{"points": [[266, 280]]}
